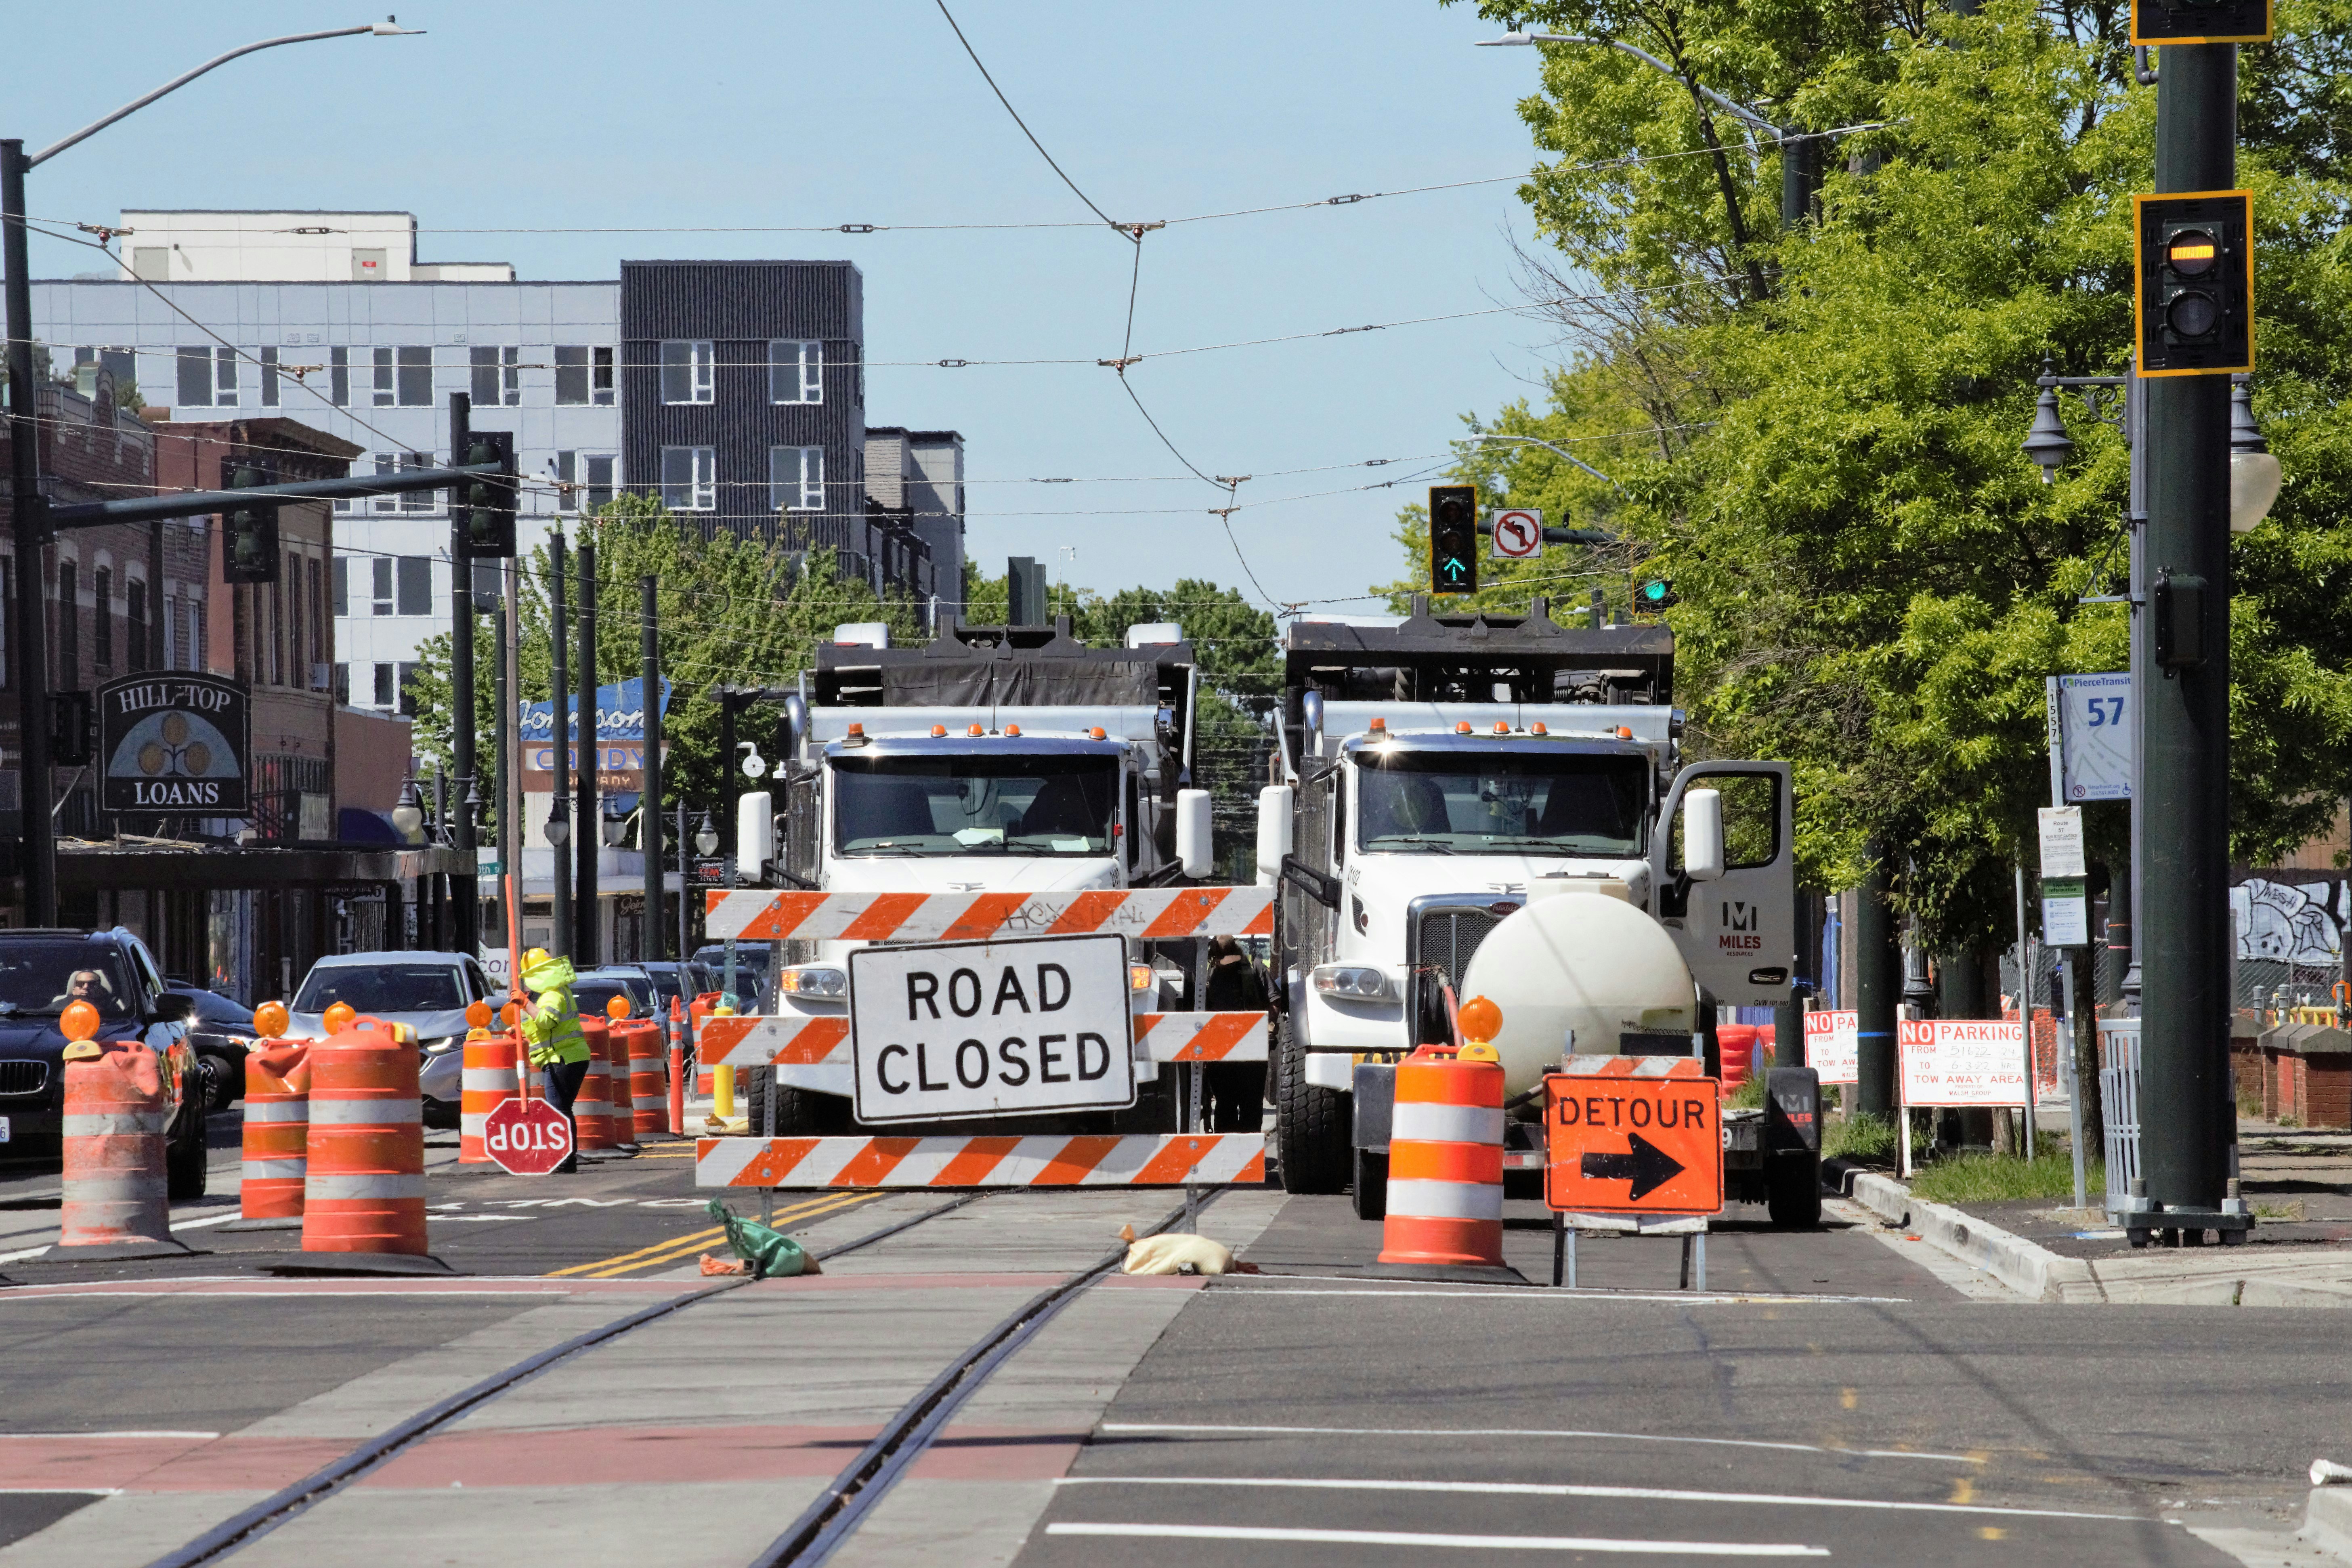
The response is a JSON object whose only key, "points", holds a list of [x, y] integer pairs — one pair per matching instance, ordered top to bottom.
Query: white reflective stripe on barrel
{"points": [[487, 1078], [276, 1109], [363, 1112], [1418, 1122], [115, 1124], [273, 1169], [323, 1188], [1445, 1200]]}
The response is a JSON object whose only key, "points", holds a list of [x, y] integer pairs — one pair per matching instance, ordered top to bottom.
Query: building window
{"points": [[152, 262], [686, 370], [795, 371], [572, 376], [224, 377], [497, 377], [207, 378], [270, 378], [417, 378], [339, 380], [601, 382], [387, 391], [385, 462], [567, 473], [795, 478], [689, 479], [596, 482], [417, 500], [343, 575], [415, 584], [380, 599], [135, 604], [7, 610], [101, 626], [278, 631], [319, 647], [69, 675], [342, 685], [407, 689], [385, 693]]}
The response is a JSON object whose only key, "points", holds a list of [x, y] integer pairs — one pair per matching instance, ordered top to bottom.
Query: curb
{"points": [[2034, 1272], [2327, 1521]]}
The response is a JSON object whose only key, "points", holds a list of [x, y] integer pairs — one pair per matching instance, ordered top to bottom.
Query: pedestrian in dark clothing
{"points": [[1236, 1090]]}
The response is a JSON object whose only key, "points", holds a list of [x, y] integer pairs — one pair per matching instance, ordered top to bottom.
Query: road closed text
{"points": [[1001, 1028]]}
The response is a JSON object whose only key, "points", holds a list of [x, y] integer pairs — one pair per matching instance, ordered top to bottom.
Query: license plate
{"points": [[4, 1130]]}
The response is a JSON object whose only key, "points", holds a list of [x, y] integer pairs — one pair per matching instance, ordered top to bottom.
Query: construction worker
{"points": [[551, 1028], [1236, 1090]]}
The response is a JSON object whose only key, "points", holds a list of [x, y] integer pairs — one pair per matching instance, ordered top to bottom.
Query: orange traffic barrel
{"points": [[648, 1075], [488, 1079], [705, 1083], [619, 1095], [591, 1113], [277, 1130], [1446, 1163], [365, 1189], [116, 1191]]}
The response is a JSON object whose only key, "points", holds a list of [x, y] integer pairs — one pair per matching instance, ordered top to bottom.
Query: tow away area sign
{"points": [[991, 1029], [1623, 1144]]}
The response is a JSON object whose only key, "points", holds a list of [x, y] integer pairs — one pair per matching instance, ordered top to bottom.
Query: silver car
{"points": [[429, 992]]}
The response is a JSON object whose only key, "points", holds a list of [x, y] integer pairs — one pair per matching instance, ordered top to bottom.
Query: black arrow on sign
{"points": [[1644, 1165]]}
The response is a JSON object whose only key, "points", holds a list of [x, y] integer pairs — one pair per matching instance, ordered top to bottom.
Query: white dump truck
{"points": [[1007, 766], [1498, 804]]}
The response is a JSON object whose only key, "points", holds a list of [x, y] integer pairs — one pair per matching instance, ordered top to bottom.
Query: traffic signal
{"points": [[2200, 21], [2193, 286], [486, 503], [250, 532], [1452, 539], [1654, 594]]}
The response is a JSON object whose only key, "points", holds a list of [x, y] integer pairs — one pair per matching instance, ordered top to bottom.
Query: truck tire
{"points": [[800, 1113], [1311, 1132], [184, 1171], [1370, 1187], [1793, 1192]]}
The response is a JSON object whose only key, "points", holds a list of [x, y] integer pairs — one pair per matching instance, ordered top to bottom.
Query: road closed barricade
{"points": [[1053, 1160]]}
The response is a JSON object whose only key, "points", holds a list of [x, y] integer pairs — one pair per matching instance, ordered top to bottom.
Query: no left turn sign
{"points": [[1518, 535]]}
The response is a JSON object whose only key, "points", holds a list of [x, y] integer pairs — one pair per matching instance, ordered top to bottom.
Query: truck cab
{"points": [[1441, 773]]}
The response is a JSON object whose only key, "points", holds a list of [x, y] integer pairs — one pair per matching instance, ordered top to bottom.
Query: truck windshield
{"points": [[1456, 802], [1014, 804], [42, 975]]}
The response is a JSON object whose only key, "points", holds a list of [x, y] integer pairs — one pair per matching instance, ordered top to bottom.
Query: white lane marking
{"points": [[477, 1218], [207, 1220], [30, 1252], [1544, 1293], [69, 1294], [1530, 1432], [68, 1437], [1547, 1488], [60, 1491], [1191, 1531]]}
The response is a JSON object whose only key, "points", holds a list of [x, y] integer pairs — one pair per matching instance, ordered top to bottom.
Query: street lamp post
{"points": [[28, 518]]}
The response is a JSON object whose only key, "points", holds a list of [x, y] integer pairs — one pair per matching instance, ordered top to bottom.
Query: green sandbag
{"points": [[771, 1254]]}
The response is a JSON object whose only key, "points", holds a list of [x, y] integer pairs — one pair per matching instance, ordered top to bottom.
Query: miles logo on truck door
{"points": [[1739, 917], [959, 1030]]}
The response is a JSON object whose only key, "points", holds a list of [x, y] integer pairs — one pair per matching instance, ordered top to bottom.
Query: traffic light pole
{"points": [[31, 639], [559, 689], [587, 821], [464, 891], [1878, 987], [2187, 1103]]}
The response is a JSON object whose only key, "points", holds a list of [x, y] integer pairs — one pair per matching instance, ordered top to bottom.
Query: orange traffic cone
{"points": [[1446, 1155]]}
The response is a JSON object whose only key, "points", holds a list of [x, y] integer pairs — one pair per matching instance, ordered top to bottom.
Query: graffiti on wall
{"points": [[2290, 922]]}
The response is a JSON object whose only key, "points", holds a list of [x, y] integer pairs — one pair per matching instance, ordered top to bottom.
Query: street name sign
{"points": [[970, 1029], [1833, 1045], [1962, 1061], [527, 1137], [1632, 1145]]}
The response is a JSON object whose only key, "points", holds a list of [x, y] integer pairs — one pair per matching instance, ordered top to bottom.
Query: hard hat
{"points": [[534, 958]]}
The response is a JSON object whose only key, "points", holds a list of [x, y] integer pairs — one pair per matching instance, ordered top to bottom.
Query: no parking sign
{"points": [[1518, 534]]}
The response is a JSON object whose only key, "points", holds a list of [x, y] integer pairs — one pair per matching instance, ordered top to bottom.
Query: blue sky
{"points": [[523, 116]]}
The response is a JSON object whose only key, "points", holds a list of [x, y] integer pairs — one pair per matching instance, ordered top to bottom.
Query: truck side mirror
{"points": [[1273, 805], [1703, 834], [755, 835], [1194, 841]]}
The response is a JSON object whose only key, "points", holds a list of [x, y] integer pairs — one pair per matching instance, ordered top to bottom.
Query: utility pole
{"points": [[27, 522], [560, 690], [503, 759], [649, 822], [511, 832], [587, 836], [465, 893], [1877, 983], [2187, 1101]]}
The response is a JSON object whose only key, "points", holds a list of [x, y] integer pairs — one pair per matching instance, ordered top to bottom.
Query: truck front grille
{"points": [[1446, 937], [24, 1077]]}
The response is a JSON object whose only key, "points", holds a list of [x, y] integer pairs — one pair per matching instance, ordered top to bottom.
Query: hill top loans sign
{"points": [[173, 741]]}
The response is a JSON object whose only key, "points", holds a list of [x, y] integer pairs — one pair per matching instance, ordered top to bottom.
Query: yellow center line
{"points": [[684, 1249], [663, 1251]]}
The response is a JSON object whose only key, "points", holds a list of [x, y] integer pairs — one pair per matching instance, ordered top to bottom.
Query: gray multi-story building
{"points": [[735, 390]]}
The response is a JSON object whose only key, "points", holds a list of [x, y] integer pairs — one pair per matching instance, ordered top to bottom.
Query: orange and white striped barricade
{"points": [[1143, 913], [821, 1039], [680, 1063], [490, 1080], [647, 1087], [619, 1095], [591, 1113], [276, 1133], [1054, 1160], [1446, 1166], [1658, 1166], [365, 1189], [117, 1192]]}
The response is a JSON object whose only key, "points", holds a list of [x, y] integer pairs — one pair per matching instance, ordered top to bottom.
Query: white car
{"points": [[429, 992]]}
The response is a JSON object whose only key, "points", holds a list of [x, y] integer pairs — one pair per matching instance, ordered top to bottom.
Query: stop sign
{"points": [[528, 1137]]}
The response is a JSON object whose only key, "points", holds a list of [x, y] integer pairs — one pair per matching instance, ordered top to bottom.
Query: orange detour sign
{"points": [[1634, 1137]]}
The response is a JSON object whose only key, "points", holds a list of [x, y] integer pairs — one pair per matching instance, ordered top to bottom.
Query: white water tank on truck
{"points": [[1581, 964]]}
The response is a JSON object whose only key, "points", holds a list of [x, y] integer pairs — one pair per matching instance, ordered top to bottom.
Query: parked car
{"points": [[751, 967], [43, 970], [671, 979], [596, 987], [429, 992], [222, 1033]]}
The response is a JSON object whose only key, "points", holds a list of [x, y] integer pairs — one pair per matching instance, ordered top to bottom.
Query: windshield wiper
{"points": [[1440, 844], [1573, 848]]}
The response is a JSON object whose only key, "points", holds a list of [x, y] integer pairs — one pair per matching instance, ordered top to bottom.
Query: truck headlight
{"points": [[818, 980], [1353, 983]]}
